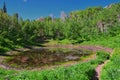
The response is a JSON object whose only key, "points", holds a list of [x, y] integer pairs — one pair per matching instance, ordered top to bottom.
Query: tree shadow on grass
{"points": [[4, 54]]}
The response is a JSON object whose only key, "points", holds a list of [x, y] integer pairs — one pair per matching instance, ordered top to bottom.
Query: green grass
{"points": [[65, 41], [56, 42], [112, 42], [111, 70], [83, 71], [77, 72], [4, 74]]}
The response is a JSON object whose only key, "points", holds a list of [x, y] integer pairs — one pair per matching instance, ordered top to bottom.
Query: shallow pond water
{"points": [[44, 56]]}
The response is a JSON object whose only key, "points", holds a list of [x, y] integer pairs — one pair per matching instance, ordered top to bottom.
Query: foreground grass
{"points": [[111, 70], [74, 72]]}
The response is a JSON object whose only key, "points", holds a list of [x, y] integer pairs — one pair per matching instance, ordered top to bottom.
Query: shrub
{"points": [[102, 56]]}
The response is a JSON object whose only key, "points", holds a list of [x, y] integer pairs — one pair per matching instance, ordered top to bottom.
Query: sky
{"points": [[33, 9]]}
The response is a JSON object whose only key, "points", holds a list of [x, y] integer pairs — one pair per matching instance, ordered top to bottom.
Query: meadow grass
{"points": [[111, 42]]}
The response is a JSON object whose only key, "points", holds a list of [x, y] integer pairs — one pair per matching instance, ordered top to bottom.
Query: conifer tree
{"points": [[4, 8]]}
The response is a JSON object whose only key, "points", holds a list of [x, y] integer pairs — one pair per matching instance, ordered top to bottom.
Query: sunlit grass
{"points": [[112, 42]]}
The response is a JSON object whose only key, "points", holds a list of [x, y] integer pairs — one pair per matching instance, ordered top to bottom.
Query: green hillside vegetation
{"points": [[78, 26]]}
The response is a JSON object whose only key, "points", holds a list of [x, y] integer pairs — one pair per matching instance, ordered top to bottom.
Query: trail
{"points": [[100, 66], [98, 70]]}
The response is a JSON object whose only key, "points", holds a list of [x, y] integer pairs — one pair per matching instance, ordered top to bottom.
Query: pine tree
{"points": [[4, 8]]}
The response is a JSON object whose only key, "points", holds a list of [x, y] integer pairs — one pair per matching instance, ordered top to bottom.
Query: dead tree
{"points": [[63, 16], [119, 17], [102, 27]]}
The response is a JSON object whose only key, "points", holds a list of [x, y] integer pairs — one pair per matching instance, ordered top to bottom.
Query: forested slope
{"points": [[78, 26]]}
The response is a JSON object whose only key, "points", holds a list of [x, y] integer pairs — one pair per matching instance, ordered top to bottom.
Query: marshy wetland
{"points": [[40, 57]]}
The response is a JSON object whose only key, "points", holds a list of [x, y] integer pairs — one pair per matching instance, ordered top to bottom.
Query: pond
{"points": [[46, 56]]}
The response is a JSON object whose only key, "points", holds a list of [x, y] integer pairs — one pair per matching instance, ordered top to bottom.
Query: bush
{"points": [[5, 44], [3, 49], [102, 56]]}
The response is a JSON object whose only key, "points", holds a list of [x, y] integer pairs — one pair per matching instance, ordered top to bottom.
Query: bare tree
{"points": [[63, 16], [52, 17], [119, 17], [41, 19], [102, 27]]}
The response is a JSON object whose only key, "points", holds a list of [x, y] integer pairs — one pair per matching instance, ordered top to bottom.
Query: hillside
{"points": [[79, 26]]}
